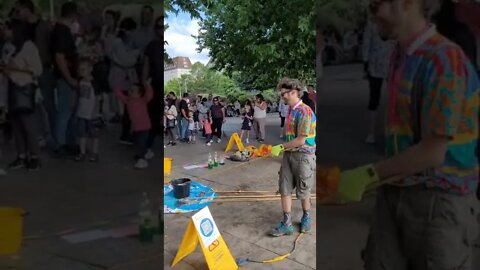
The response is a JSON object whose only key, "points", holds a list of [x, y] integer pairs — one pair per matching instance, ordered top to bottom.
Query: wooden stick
{"points": [[245, 191], [249, 196], [243, 197], [253, 200]]}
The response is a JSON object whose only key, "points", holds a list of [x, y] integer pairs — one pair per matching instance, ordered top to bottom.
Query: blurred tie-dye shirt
{"points": [[450, 108], [301, 121]]}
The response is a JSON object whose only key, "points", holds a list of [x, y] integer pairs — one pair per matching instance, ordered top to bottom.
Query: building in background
{"points": [[176, 68]]}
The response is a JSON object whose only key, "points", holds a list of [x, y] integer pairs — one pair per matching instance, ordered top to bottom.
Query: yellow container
{"points": [[167, 166], [11, 230]]}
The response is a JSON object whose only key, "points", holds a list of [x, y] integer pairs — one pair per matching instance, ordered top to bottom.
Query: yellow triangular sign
{"points": [[234, 139], [201, 228]]}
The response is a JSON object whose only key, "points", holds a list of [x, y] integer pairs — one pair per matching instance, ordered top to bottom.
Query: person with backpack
{"points": [[39, 32], [22, 68], [171, 120]]}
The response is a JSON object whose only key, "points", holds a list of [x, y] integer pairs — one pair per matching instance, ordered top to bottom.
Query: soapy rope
{"points": [[244, 261]]}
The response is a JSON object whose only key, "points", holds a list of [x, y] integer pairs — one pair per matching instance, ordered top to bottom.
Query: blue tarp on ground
{"points": [[200, 197]]}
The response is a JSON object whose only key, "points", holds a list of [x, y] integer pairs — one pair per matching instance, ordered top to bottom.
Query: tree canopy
{"points": [[43, 6], [340, 15], [260, 41], [203, 80]]}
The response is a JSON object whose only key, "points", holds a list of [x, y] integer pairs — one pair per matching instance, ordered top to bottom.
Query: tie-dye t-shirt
{"points": [[449, 108], [301, 121]]}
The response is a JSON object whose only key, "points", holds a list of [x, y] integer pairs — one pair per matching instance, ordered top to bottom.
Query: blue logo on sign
{"points": [[206, 227]]}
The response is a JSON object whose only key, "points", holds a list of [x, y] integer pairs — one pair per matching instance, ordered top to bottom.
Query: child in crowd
{"points": [[91, 47], [136, 102], [86, 108], [196, 117], [247, 117], [207, 126], [192, 128]]}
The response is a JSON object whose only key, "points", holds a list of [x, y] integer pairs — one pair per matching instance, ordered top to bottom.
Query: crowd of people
{"points": [[62, 82], [184, 118]]}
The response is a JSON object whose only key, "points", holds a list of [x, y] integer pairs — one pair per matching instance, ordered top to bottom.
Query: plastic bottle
{"points": [[222, 160], [210, 161], [145, 228]]}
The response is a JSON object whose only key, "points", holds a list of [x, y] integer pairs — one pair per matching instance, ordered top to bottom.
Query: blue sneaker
{"points": [[305, 224], [281, 230]]}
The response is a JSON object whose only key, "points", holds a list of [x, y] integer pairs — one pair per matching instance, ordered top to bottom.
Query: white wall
{"points": [[174, 74]]}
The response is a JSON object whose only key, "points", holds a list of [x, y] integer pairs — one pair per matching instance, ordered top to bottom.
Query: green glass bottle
{"points": [[215, 160], [210, 161], [145, 227]]}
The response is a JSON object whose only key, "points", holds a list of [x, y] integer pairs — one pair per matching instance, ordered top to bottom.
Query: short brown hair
{"points": [[290, 84]]}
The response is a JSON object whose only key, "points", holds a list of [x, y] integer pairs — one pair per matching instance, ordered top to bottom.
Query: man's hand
{"points": [[277, 149], [353, 183]]}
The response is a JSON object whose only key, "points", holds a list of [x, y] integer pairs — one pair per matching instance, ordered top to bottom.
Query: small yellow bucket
{"points": [[167, 166], [11, 230]]}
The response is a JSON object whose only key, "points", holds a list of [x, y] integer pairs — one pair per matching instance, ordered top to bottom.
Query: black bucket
{"points": [[181, 188]]}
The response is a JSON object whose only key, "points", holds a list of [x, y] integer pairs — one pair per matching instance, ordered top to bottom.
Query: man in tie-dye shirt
{"points": [[299, 160], [426, 215]]}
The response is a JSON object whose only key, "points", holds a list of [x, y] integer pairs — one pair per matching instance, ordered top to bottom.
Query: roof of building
{"points": [[179, 62]]}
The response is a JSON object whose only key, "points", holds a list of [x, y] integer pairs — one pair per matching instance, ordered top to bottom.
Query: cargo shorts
{"points": [[297, 173], [415, 228]]}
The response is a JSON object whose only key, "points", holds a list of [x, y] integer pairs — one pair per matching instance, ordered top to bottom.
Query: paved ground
{"points": [[65, 195], [243, 225]]}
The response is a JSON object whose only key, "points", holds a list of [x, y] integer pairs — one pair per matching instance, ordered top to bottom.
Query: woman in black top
{"points": [[306, 99], [217, 113]]}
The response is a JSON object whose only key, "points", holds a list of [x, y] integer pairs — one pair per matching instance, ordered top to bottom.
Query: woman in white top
{"points": [[109, 30], [22, 68], [123, 68], [282, 111], [171, 115], [260, 117]]}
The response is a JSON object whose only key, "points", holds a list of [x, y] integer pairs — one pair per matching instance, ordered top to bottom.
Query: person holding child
{"points": [[136, 102], [217, 114], [247, 122]]}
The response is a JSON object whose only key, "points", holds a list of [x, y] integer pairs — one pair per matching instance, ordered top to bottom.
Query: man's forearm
{"points": [[62, 66], [297, 142], [413, 160]]}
